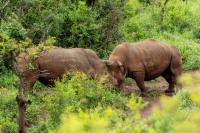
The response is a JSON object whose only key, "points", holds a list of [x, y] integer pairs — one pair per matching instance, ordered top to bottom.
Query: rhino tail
{"points": [[176, 64]]}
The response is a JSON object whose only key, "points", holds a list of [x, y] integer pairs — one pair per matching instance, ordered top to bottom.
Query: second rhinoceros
{"points": [[144, 61], [52, 64]]}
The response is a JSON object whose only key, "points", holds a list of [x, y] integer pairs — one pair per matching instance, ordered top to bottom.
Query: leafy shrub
{"points": [[73, 23], [100, 27], [13, 28], [80, 28], [10, 48], [188, 49], [8, 80], [83, 93], [69, 96], [89, 105], [8, 110], [179, 111], [176, 114], [105, 119]]}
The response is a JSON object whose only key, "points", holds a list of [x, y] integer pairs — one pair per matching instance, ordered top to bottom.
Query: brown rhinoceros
{"points": [[144, 61], [52, 64]]}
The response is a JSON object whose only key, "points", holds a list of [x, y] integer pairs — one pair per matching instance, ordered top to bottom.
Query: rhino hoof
{"points": [[169, 92], [142, 94]]}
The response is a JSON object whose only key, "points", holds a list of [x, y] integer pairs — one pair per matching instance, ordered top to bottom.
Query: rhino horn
{"points": [[112, 63], [119, 63]]}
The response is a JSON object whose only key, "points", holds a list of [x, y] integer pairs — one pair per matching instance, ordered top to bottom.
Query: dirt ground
{"points": [[155, 89]]}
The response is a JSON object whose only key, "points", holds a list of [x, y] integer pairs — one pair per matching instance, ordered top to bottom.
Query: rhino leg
{"points": [[173, 72], [139, 78], [28, 79], [171, 79]]}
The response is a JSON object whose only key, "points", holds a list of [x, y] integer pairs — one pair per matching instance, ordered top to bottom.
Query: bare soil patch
{"points": [[155, 89]]}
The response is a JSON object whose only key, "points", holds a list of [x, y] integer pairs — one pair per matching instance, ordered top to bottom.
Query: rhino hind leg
{"points": [[173, 72], [139, 78], [171, 79]]}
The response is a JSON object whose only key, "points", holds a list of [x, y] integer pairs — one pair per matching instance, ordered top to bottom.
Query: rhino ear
{"points": [[109, 63], [112, 63]]}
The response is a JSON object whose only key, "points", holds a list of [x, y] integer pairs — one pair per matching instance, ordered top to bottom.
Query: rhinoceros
{"points": [[144, 61], [52, 64]]}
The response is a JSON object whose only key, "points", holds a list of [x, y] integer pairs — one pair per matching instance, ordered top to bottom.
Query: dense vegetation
{"points": [[101, 26], [84, 105], [90, 105]]}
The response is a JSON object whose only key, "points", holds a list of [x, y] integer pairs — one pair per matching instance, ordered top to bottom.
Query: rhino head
{"points": [[116, 72]]}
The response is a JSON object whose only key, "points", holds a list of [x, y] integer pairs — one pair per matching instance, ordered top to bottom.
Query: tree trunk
{"points": [[22, 102]]}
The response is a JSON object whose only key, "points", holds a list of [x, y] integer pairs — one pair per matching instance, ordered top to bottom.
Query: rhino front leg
{"points": [[139, 78], [28, 79]]}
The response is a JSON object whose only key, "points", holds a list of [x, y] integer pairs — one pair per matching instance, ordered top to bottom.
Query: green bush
{"points": [[103, 25], [13, 28], [80, 28], [10, 49], [188, 49], [8, 79], [82, 93], [70, 95], [78, 103], [90, 105], [8, 110], [180, 111], [173, 116], [105, 120]]}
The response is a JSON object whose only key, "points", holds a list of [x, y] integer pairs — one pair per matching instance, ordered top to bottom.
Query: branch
{"points": [[5, 5], [163, 10]]}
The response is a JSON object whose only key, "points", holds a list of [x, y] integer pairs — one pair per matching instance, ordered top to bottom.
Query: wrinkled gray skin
{"points": [[144, 61], [53, 63]]}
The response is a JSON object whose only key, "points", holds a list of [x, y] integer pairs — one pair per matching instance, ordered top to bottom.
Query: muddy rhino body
{"points": [[144, 61], [52, 64]]}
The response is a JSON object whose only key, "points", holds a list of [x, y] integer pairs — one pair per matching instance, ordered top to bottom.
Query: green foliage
{"points": [[73, 23], [101, 26], [13, 28], [80, 28], [10, 48], [188, 49], [8, 79], [82, 90], [79, 92], [82, 93], [78, 103], [89, 105], [179, 111], [8, 112], [107, 120]]}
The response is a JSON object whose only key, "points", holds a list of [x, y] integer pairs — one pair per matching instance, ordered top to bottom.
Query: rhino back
{"points": [[58, 61]]}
